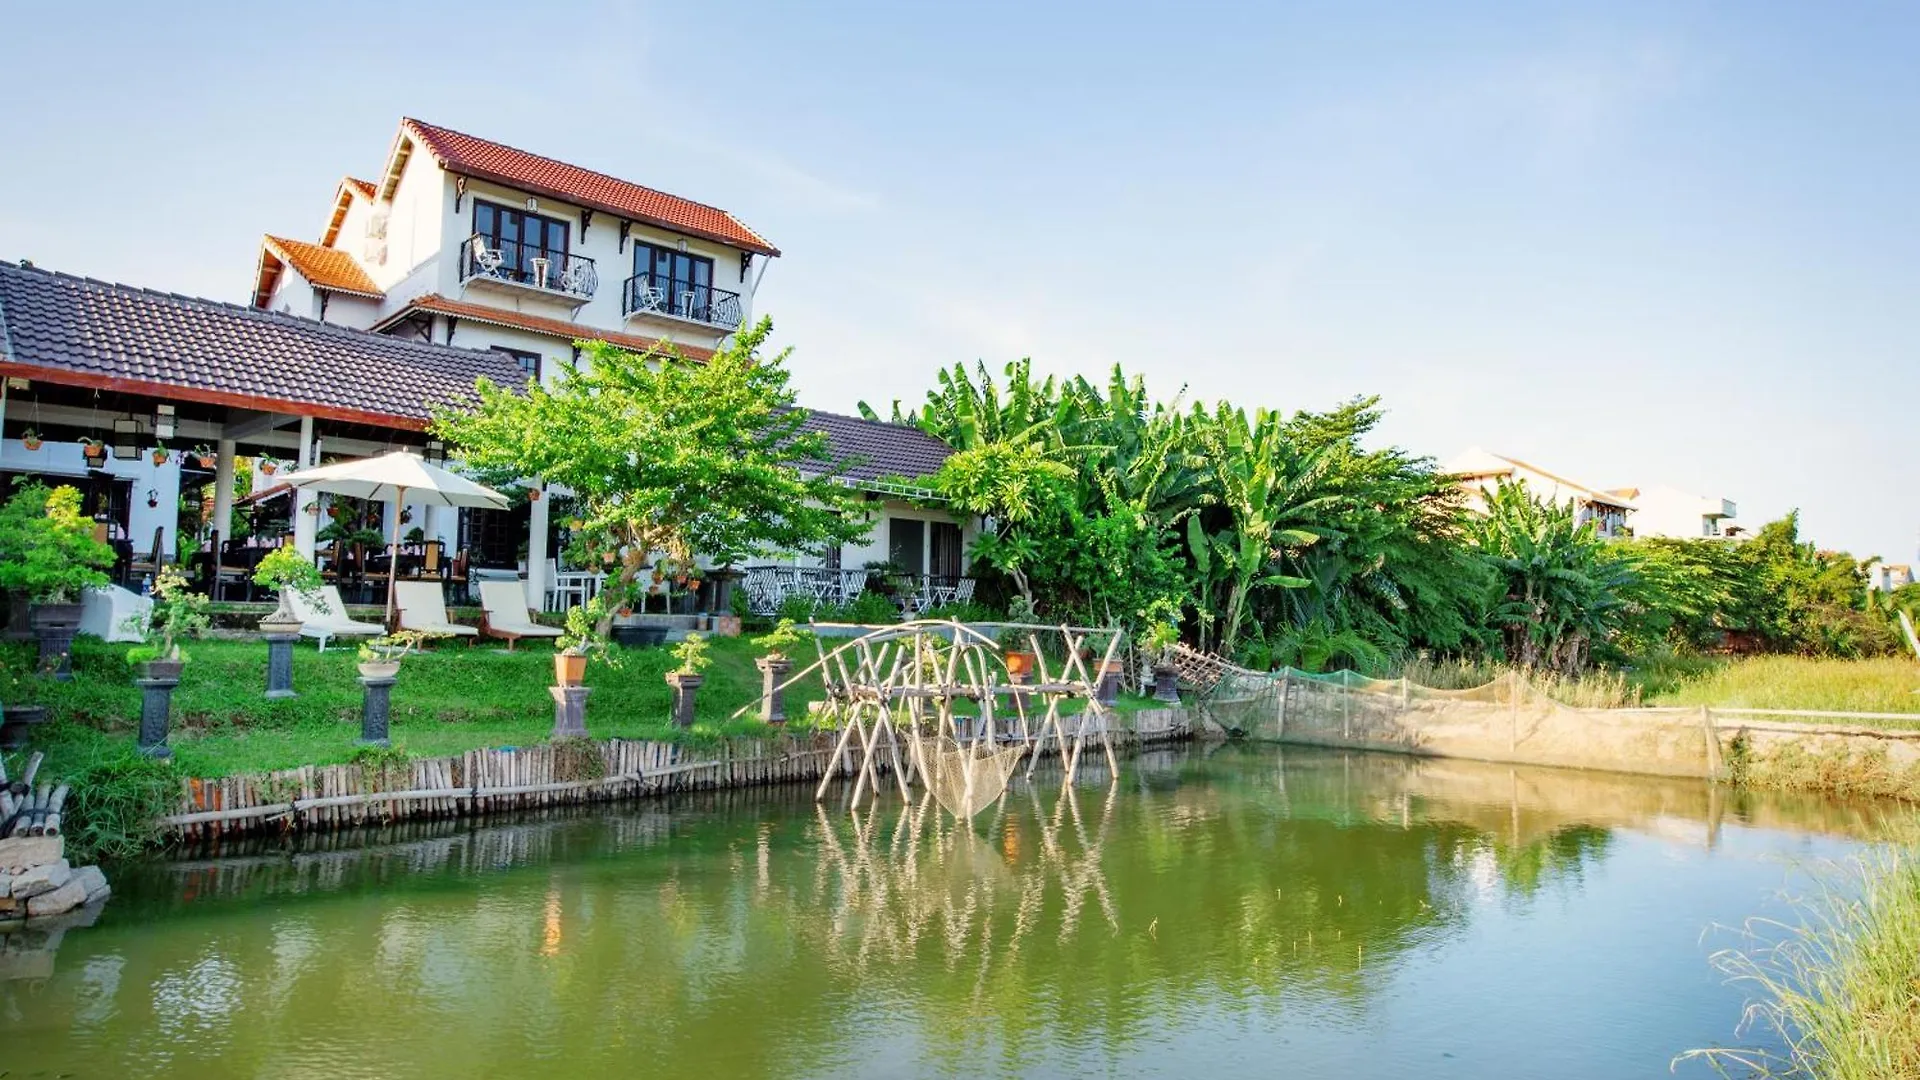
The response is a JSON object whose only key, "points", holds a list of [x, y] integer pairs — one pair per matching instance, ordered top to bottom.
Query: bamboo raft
{"points": [[482, 782]]}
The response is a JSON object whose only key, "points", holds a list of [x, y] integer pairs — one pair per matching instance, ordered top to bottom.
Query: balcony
{"points": [[525, 268], [658, 295]]}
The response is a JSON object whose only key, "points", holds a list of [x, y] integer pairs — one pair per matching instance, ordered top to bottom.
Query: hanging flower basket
{"points": [[30, 439], [95, 451], [160, 455], [204, 456], [268, 466], [533, 495]]}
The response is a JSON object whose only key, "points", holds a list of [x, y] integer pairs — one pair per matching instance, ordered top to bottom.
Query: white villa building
{"points": [[465, 258], [1480, 471], [1681, 515]]}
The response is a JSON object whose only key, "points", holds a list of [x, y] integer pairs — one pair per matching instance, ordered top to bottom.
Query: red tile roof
{"points": [[472, 156], [364, 187], [323, 267], [559, 328]]}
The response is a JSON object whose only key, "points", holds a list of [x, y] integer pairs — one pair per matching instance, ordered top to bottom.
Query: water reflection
{"points": [[1199, 911]]}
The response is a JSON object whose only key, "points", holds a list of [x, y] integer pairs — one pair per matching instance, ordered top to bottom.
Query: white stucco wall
{"points": [[64, 459], [1668, 511]]}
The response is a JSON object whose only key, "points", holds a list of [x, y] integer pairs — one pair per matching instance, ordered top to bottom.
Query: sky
{"points": [[1632, 243]]}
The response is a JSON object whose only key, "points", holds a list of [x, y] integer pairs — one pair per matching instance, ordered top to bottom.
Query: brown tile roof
{"points": [[472, 156], [364, 187], [343, 194], [324, 267], [537, 324], [78, 332], [869, 450]]}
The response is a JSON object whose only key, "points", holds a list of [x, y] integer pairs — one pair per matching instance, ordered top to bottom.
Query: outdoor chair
{"points": [[487, 260], [578, 278], [647, 297], [153, 560], [422, 607], [505, 614], [326, 618]]}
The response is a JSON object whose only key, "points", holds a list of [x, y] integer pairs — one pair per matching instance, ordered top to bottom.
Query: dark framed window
{"points": [[520, 236], [675, 273], [529, 361], [944, 542], [907, 544]]}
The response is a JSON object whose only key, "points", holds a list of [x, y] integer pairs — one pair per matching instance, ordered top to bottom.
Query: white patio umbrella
{"points": [[400, 476]]}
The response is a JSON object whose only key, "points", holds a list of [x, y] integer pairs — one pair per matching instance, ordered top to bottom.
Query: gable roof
{"points": [[471, 155], [343, 195], [323, 267], [537, 324], [79, 332], [884, 451], [1478, 464]]}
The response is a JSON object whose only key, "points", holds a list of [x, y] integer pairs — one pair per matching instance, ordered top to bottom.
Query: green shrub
{"points": [[47, 549], [798, 607], [872, 609], [115, 804]]}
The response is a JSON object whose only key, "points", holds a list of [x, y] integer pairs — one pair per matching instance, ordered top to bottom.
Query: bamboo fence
{"points": [[482, 782]]}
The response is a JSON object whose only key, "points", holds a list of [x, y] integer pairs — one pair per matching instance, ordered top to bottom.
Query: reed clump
{"points": [[1838, 992]]}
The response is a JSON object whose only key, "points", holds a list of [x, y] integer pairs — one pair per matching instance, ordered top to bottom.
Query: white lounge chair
{"points": [[504, 604], [422, 608], [326, 617]]}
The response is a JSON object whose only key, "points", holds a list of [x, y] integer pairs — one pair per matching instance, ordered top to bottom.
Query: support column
{"points": [[223, 491], [305, 524], [537, 551], [280, 665]]}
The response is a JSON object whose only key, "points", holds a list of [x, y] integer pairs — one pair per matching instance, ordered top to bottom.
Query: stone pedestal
{"points": [[56, 651], [280, 665], [1166, 685], [685, 686], [1107, 690], [773, 696], [375, 708], [156, 710], [569, 711]]}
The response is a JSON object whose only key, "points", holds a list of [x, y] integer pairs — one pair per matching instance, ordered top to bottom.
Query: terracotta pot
{"points": [[31, 443], [96, 455], [160, 457], [207, 461], [269, 468], [1019, 662], [569, 669]]}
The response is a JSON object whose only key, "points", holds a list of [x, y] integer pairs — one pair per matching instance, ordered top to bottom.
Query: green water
{"points": [[1223, 912]]}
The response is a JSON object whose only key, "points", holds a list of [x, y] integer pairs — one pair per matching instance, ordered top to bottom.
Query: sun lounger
{"points": [[422, 608], [506, 614], [326, 617]]}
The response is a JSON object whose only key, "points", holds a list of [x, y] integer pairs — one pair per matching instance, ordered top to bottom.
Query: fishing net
{"points": [[964, 780]]}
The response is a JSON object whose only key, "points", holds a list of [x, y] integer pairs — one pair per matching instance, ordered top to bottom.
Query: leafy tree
{"points": [[666, 456], [47, 546], [1564, 586]]}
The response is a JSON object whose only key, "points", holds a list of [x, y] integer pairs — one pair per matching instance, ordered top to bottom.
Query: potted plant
{"points": [[30, 439], [95, 452], [160, 455], [204, 456], [267, 466], [416, 535], [49, 554], [286, 570], [178, 613], [1158, 638], [582, 640], [1016, 642], [380, 657], [774, 666], [686, 679]]}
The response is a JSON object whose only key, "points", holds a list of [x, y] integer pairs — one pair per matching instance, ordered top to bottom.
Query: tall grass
{"points": [[1888, 684], [1601, 688], [1840, 990]]}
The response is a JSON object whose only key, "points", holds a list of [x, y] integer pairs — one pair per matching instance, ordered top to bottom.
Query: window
{"points": [[520, 236], [685, 281], [529, 361], [907, 544], [945, 550]]}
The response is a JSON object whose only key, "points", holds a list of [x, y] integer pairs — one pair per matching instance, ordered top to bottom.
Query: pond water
{"points": [[1226, 910]]}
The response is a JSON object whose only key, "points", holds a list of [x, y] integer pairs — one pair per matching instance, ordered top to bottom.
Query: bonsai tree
{"points": [[667, 458], [47, 547], [288, 571], [178, 613], [1160, 630], [783, 637], [585, 638], [389, 648], [692, 654]]}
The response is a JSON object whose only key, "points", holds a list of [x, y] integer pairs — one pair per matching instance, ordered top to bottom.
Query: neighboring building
{"points": [[463, 241], [1479, 471], [1668, 511], [1882, 576]]}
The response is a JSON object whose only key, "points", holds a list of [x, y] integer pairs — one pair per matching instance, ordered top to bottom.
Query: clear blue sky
{"points": [[1635, 243]]}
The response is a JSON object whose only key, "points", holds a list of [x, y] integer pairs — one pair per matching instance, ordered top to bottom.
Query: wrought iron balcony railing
{"points": [[484, 258], [659, 294]]}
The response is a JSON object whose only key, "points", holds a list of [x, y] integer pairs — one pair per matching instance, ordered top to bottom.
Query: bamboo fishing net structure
{"points": [[932, 702]]}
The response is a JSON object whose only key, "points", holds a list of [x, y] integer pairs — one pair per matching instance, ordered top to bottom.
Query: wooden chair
{"points": [[154, 559], [505, 614]]}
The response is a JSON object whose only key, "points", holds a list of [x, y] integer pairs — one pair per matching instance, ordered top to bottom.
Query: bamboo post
{"points": [[1286, 691], [1713, 743]]}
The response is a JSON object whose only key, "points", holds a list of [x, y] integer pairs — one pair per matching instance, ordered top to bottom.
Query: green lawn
{"points": [[1887, 685], [447, 701]]}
